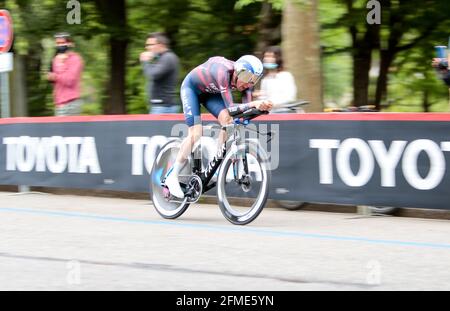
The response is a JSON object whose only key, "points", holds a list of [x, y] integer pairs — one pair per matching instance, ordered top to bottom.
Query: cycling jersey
{"points": [[209, 84]]}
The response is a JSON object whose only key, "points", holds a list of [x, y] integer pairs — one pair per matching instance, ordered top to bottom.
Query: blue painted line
{"points": [[226, 228]]}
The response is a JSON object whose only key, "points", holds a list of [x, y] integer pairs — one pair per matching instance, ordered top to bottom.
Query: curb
{"points": [[330, 208]]}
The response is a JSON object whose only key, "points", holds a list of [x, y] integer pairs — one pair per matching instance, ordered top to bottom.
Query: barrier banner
{"points": [[379, 159]]}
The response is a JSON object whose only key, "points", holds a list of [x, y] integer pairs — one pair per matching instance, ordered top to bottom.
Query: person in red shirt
{"points": [[66, 70]]}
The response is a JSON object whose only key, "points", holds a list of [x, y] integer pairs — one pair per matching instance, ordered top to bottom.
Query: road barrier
{"points": [[377, 159]]}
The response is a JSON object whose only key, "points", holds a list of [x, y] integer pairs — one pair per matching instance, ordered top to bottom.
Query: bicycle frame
{"points": [[241, 118], [235, 151], [214, 165]]}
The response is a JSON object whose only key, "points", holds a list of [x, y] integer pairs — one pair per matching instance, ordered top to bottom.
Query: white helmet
{"points": [[248, 69]]}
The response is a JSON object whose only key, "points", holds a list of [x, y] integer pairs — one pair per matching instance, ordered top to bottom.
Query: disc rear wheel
{"points": [[165, 204]]}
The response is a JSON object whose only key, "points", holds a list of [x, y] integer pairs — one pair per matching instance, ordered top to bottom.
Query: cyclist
{"points": [[211, 84]]}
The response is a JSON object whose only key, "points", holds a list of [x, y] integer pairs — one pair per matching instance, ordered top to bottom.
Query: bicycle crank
{"points": [[194, 189]]}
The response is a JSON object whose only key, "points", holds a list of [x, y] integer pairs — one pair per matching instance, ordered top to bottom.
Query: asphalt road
{"points": [[63, 242]]}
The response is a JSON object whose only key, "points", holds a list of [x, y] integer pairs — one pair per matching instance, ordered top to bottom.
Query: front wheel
{"points": [[243, 183]]}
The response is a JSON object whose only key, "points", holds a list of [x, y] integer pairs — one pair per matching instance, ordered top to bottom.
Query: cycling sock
{"points": [[176, 168]]}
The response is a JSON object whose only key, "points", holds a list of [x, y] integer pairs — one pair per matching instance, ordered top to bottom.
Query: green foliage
{"points": [[277, 4], [408, 28], [200, 29], [337, 67], [413, 80], [136, 97]]}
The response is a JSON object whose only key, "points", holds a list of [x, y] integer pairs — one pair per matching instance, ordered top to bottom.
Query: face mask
{"points": [[62, 49], [270, 66]]}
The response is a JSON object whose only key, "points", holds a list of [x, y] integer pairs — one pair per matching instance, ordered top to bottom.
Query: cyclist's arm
{"points": [[227, 96], [247, 96], [228, 99], [260, 104]]}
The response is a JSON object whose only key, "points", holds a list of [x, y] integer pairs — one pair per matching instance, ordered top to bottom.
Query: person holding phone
{"points": [[440, 63]]}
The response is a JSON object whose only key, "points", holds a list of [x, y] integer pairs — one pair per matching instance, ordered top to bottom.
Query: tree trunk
{"points": [[114, 16], [176, 16], [268, 26], [363, 43], [301, 45], [387, 58], [362, 62], [361, 68], [117, 85], [19, 88], [426, 101]]}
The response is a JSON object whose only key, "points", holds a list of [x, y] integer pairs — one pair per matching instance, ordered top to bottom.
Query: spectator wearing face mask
{"points": [[65, 74], [278, 85]]}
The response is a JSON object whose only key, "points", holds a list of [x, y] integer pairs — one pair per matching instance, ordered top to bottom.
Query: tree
{"points": [[114, 17], [406, 19], [32, 23], [404, 24], [269, 27], [364, 42], [302, 52]]}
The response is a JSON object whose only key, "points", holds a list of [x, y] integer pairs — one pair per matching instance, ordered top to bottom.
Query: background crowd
{"points": [[321, 51]]}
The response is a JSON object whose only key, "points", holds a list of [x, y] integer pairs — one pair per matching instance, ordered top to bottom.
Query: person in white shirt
{"points": [[278, 85]]}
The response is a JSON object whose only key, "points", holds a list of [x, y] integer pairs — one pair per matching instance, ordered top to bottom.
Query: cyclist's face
{"points": [[241, 86]]}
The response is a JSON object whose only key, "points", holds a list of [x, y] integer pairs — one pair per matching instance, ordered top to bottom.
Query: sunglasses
{"points": [[248, 77]]}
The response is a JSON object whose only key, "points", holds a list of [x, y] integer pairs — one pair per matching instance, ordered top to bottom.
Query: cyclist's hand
{"points": [[264, 105]]}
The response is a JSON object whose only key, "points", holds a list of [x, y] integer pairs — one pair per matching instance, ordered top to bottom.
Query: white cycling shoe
{"points": [[174, 186]]}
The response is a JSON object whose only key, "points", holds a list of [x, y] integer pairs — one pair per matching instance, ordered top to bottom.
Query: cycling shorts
{"points": [[192, 97]]}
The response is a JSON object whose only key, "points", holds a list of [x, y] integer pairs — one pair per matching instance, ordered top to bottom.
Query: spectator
{"points": [[441, 65], [160, 67], [65, 73], [278, 85]]}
